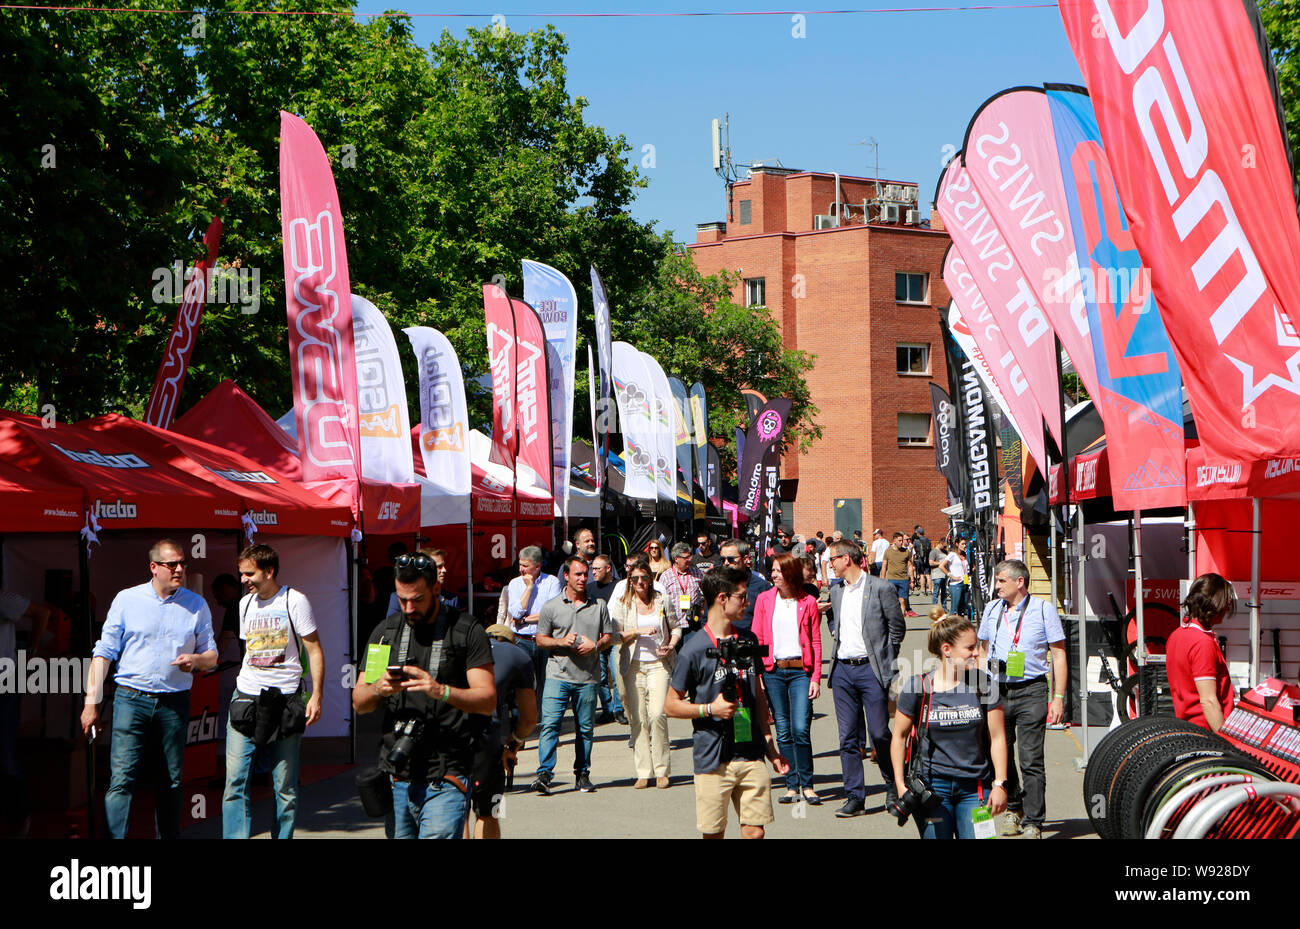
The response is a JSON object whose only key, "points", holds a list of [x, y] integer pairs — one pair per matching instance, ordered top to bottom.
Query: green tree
{"points": [[1281, 20]]}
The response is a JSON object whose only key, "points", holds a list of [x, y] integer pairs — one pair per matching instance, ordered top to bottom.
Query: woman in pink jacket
{"points": [[786, 620]]}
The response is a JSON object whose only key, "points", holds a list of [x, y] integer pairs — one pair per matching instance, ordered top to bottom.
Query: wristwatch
{"points": [[1002, 784]]}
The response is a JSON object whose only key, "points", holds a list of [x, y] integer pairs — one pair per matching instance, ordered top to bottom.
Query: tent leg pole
{"points": [[1257, 514], [1191, 540], [1051, 544], [469, 566], [83, 568], [1139, 591], [1082, 600], [352, 638]]}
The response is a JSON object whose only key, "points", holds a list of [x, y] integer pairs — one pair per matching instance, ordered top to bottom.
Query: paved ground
{"points": [[331, 809]]}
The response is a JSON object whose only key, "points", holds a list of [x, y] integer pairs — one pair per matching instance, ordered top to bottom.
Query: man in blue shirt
{"points": [[736, 553], [525, 597], [160, 635]]}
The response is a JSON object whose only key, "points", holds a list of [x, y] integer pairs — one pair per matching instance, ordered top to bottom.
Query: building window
{"points": [[746, 212], [909, 288], [756, 291], [913, 358], [913, 429]]}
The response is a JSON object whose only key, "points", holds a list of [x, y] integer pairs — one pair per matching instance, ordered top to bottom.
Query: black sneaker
{"points": [[620, 718], [543, 783], [584, 784], [851, 807]]}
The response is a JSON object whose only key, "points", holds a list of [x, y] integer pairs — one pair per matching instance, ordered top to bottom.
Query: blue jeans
{"points": [[941, 591], [958, 592], [539, 657], [787, 690], [609, 700], [554, 703], [136, 718], [960, 796], [237, 806], [422, 810]]}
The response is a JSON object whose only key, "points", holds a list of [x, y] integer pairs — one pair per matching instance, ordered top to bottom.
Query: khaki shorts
{"points": [[745, 784]]}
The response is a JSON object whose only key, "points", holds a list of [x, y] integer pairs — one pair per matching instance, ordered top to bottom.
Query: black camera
{"points": [[735, 655], [407, 733], [919, 800]]}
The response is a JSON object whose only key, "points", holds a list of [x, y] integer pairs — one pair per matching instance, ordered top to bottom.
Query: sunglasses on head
{"points": [[419, 561]]}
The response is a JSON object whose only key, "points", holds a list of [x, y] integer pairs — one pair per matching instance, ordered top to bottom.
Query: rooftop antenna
{"points": [[875, 148], [722, 163]]}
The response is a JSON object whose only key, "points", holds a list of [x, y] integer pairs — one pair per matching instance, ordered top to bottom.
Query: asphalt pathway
{"points": [[330, 808]]}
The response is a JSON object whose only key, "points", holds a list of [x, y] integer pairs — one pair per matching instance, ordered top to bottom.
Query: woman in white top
{"points": [[958, 577], [645, 663]]}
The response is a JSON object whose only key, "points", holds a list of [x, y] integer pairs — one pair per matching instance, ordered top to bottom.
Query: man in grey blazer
{"points": [[869, 629]]}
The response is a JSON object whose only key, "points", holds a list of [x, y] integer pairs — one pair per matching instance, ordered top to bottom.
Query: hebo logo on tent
{"points": [[99, 459], [243, 477], [115, 510], [264, 518]]}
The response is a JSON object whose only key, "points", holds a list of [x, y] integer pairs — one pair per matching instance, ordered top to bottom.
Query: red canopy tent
{"points": [[230, 419]]}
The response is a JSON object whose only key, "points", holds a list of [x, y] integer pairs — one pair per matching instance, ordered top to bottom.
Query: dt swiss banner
{"points": [[1188, 113], [551, 294], [1009, 301], [320, 311], [499, 317], [970, 317], [961, 332], [180, 345], [1139, 387], [632, 392], [381, 397], [532, 397], [444, 417], [769, 424]]}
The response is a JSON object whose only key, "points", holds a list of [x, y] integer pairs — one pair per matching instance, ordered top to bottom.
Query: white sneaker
{"points": [[1011, 823], [1031, 832]]}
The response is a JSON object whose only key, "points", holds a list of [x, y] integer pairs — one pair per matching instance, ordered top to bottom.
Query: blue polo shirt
{"points": [[1041, 627], [145, 633]]}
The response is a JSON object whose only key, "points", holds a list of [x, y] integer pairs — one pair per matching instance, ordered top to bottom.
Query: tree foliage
{"points": [[1281, 20], [452, 164]]}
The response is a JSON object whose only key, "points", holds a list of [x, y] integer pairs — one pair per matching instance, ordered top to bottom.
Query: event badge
{"points": [[684, 603], [376, 662], [1015, 664], [740, 724], [982, 819]]}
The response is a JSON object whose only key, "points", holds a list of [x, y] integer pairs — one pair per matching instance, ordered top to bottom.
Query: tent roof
{"points": [[34, 502]]}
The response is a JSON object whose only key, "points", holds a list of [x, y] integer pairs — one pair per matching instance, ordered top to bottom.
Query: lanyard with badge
{"points": [[684, 598], [1015, 663], [741, 723], [981, 817]]}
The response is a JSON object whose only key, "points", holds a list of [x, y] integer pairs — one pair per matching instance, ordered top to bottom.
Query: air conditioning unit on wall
{"points": [[888, 213], [913, 217], [824, 222]]}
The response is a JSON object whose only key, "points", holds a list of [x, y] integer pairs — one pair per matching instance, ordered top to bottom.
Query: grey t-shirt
{"points": [[589, 619], [700, 678], [955, 743]]}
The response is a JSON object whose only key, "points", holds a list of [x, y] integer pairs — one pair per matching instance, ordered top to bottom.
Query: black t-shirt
{"points": [[706, 563], [601, 591], [513, 670], [701, 678], [448, 736], [956, 741]]}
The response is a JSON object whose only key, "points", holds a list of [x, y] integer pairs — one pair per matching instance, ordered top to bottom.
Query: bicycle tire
{"points": [[1161, 730], [1103, 759], [1143, 773], [1182, 775]]}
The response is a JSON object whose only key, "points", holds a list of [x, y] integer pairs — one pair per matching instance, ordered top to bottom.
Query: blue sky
{"points": [[911, 80]]}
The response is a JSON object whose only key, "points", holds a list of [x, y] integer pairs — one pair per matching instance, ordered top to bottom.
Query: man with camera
{"points": [[575, 629], [869, 629], [1019, 635], [430, 668], [717, 672]]}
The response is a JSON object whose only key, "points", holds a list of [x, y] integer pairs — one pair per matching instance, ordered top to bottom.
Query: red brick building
{"points": [[852, 276]]}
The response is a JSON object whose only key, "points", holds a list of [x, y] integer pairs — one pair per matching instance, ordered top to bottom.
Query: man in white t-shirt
{"points": [[879, 545], [276, 624]]}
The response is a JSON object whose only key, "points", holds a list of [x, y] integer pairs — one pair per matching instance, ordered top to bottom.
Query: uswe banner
{"points": [[1185, 101], [317, 300], [170, 379]]}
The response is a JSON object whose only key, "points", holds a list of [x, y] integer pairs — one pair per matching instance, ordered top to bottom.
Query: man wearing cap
{"points": [[879, 545], [160, 635], [513, 721]]}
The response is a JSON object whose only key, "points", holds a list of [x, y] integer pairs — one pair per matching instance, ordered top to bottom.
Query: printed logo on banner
{"points": [[312, 256], [499, 344], [526, 395], [633, 397], [382, 424], [769, 425], [444, 440], [639, 458], [101, 460], [1279, 467], [1087, 475], [1152, 475], [1208, 475], [243, 477], [492, 484], [115, 510], [389, 510], [264, 517]]}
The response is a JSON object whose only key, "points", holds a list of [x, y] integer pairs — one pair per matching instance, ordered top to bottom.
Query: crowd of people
{"points": [[699, 634]]}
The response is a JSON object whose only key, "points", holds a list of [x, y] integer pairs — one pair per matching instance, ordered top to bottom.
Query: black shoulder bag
{"points": [[272, 714]]}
